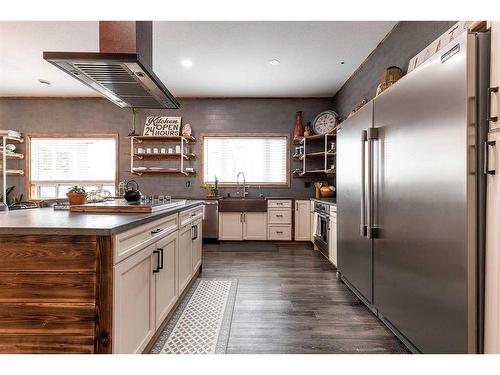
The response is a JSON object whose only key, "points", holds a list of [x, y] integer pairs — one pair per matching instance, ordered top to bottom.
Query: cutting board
{"points": [[116, 206]]}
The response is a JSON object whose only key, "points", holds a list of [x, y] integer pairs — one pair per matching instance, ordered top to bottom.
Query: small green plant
{"points": [[76, 189], [212, 189]]}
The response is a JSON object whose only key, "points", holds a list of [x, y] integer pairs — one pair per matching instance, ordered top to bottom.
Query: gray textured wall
{"points": [[406, 40], [205, 115]]}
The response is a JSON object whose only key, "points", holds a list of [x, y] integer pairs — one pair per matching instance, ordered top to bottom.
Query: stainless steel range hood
{"points": [[122, 70]]}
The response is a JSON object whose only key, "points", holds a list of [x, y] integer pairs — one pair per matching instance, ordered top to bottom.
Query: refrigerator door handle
{"points": [[488, 105], [487, 145], [362, 225], [371, 231]]}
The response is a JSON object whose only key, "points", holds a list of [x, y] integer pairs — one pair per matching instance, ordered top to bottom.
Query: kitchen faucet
{"points": [[244, 191]]}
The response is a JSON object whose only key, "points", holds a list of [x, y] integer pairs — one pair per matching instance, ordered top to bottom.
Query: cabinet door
{"points": [[495, 73], [302, 220], [230, 226], [255, 226], [312, 228], [333, 240], [197, 245], [492, 265], [185, 267], [166, 280], [134, 302]]}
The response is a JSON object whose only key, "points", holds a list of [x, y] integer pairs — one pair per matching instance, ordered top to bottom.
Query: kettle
{"points": [[132, 194]]}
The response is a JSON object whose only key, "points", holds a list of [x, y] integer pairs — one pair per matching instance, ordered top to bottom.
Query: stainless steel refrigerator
{"points": [[411, 200]]}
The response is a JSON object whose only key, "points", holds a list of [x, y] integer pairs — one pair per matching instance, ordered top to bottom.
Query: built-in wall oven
{"points": [[322, 227]]}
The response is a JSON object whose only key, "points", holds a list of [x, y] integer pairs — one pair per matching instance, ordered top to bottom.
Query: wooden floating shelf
{"points": [[316, 137], [13, 139], [175, 139], [314, 155], [13, 156], [164, 156], [14, 172], [163, 172], [313, 172]]}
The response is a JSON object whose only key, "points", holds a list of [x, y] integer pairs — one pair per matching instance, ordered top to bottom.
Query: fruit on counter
{"points": [[325, 188], [332, 188]]}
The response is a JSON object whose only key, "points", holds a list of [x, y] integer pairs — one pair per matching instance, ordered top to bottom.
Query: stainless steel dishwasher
{"points": [[211, 219]]}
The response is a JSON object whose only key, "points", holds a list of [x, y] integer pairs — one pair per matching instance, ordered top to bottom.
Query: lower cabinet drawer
{"points": [[279, 203], [190, 215], [279, 216], [279, 232], [130, 242]]}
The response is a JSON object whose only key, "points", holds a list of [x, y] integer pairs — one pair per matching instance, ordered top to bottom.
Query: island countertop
{"points": [[47, 221]]}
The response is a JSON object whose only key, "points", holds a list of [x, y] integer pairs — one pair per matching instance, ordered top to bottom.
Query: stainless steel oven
{"points": [[322, 227]]}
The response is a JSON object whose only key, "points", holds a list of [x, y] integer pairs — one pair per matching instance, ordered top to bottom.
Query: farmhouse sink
{"points": [[242, 205]]}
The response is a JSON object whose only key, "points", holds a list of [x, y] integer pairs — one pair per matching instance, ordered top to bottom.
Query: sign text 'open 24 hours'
{"points": [[162, 126]]}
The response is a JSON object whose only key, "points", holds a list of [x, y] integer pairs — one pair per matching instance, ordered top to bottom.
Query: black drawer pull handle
{"points": [[156, 231], [279, 232]]}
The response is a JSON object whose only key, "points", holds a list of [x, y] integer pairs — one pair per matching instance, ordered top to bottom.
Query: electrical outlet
{"points": [[188, 184], [307, 184]]}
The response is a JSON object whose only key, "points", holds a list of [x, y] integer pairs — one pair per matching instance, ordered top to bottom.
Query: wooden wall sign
{"points": [[162, 126]]}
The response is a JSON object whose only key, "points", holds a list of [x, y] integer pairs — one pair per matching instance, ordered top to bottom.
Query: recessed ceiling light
{"points": [[274, 62], [186, 63], [44, 81]]}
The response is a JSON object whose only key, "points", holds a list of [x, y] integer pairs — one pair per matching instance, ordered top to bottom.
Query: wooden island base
{"points": [[96, 293], [55, 294]]}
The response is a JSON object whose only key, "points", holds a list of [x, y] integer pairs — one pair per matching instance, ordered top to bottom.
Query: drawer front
{"points": [[277, 203], [188, 216], [279, 216], [165, 226], [279, 232], [130, 242]]}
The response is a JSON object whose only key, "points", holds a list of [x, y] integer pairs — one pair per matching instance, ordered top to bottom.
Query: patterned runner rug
{"points": [[202, 321]]}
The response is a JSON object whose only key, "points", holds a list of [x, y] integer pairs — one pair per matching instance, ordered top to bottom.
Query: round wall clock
{"points": [[325, 122]]}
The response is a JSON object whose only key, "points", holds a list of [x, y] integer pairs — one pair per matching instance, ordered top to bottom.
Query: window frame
{"points": [[286, 185], [29, 186]]}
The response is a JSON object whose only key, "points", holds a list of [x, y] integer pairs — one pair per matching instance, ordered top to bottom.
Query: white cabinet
{"points": [[495, 74], [311, 215], [279, 219], [303, 220], [230, 226], [237, 226], [254, 226], [332, 239], [196, 245], [154, 263], [492, 264], [185, 267], [166, 292], [134, 302]]}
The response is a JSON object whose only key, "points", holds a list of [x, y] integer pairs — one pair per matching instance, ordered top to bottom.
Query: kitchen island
{"points": [[93, 283]]}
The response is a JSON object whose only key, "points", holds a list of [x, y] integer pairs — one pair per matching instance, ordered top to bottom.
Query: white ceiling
{"points": [[230, 59]]}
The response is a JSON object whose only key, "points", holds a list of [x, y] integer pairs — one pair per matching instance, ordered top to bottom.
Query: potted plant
{"points": [[212, 189], [76, 195]]}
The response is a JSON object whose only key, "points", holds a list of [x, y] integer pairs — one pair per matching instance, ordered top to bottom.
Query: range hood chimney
{"points": [[122, 70]]}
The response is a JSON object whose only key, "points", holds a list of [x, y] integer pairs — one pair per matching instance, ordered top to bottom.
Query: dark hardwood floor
{"points": [[290, 301]]}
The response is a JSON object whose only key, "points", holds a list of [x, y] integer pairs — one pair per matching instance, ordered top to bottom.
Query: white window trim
{"points": [[246, 135]]}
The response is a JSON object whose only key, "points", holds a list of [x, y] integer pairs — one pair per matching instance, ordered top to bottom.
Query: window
{"points": [[263, 159], [56, 164]]}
